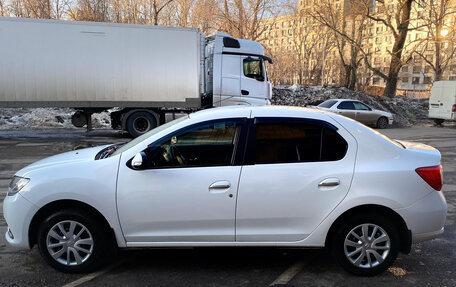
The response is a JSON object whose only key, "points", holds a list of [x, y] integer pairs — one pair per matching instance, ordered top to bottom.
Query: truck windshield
{"points": [[139, 139]]}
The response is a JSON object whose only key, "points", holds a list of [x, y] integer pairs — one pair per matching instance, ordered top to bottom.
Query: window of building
{"points": [[416, 69], [404, 79], [416, 80], [427, 80], [376, 81], [297, 142]]}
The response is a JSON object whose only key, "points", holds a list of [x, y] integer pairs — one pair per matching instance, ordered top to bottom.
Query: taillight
{"points": [[454, 109], [432, 175]]}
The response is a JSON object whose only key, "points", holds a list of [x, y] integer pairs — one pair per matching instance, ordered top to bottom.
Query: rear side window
{"points": [[327, 104], [346, 106], [297, 142]]}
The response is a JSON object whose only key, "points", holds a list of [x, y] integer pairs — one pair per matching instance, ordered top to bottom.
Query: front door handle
{"points": [[244, 92], [329, 182], [219, 186]]}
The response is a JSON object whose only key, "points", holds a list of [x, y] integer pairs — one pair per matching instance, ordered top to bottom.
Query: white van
{"points": [[442, 102]]}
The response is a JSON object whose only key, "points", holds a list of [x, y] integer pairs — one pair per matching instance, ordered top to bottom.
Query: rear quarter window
{"points": [[327, 104]]}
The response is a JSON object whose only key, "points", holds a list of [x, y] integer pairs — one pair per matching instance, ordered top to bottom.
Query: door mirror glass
{"points": [[138, 160]]}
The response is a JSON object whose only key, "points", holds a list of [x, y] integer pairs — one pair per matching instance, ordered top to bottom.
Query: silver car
{"points": [[358, 111]]}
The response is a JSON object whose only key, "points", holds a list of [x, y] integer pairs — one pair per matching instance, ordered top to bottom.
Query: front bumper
{"points": [[18, 213], [426, 217]]}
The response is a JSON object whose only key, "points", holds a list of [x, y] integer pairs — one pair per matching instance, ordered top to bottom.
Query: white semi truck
{"points": [[146, 71]]}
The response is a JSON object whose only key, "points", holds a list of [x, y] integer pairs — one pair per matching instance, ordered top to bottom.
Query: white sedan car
{"points": [[243, 176]]}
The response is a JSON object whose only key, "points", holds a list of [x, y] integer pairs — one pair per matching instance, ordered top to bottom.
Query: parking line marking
{"points": [[291, 272], [91, 276]]}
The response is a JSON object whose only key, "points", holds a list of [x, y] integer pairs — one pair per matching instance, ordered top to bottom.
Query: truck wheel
{"points": [[439, 122], [140, 123]]}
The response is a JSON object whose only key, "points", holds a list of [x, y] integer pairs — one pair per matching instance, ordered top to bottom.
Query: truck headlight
{"points": [[17, 184]]}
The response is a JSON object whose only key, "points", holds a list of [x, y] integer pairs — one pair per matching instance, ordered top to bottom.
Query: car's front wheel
{"points": [[382, 123], [70, 241], [366, 245]]}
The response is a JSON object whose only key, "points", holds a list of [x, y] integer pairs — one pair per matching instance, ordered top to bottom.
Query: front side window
{"points": [[253, 68], [346, 106], [360, 106], [297, 142], [208, 144]]}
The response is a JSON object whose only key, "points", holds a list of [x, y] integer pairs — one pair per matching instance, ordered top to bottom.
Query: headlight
{"points": [[17, 184]]}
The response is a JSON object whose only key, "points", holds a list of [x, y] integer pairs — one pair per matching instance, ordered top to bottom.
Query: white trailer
{"points": [[147, 71], [442, 102]]}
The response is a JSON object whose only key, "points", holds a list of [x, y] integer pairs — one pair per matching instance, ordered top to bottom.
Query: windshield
{"points": [[327, 104], [148, 134]]}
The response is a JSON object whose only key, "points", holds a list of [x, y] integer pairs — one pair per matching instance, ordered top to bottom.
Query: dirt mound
{"points": [[406, 111]]}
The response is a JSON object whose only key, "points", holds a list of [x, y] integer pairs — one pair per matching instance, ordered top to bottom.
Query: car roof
{"points": [[263, 111]]}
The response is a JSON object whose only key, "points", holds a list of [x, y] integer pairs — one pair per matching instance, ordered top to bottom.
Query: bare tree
{"points": [[3, 11], [243, 18], [348, 26], [441, 40]]}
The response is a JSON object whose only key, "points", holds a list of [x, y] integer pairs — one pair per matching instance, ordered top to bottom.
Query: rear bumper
{"points": [[426, 217]]}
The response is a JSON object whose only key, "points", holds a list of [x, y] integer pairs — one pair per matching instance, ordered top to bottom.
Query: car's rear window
{"points": [[327, 104], [297, 142]]}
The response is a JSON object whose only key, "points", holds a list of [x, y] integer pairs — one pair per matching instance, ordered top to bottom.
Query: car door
{"points": [[231, 82], [254, 85], [346, 108], [364, 114], [298, 172], [186, 188]]}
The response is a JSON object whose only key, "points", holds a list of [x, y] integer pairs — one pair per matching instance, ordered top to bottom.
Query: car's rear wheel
{"points": [[382, 123], [70, 241], [366, 245]]}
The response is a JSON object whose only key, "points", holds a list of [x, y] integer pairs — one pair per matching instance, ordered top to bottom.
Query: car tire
{"points": [[140, 123], [382, 123], [85, 241], [370, 254]]}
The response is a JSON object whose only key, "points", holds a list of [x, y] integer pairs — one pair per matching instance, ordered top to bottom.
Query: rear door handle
{"points": [[244, 92], [329, 182], [219, 186]]}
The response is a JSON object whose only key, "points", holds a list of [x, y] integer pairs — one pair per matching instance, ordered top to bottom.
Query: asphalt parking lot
{"points": [[429, 264]]}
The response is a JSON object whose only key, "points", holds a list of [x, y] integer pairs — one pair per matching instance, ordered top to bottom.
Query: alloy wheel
{"points": [[69, 243], [367, 245]]}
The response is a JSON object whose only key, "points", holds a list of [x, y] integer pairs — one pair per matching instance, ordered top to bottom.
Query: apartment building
{"points": [[303, 39]]}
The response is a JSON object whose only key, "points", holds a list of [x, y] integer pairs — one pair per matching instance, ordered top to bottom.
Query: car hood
{"points": [[79, 155]]}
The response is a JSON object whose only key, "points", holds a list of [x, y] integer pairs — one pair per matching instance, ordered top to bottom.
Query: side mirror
{"points": [[259, 78], [138, 161]]}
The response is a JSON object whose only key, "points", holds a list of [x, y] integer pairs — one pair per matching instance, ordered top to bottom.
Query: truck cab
{"points": [[235, 72]]}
